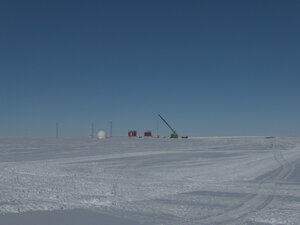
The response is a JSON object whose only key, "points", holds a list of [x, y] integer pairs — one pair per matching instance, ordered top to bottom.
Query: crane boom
{"points": [[174, 134]]}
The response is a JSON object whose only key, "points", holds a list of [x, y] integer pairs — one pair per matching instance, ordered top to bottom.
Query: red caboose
{"points": [[132, 133], [147, 134]]}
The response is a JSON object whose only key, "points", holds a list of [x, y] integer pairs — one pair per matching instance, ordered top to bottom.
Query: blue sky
{"points": [[210, 67]]}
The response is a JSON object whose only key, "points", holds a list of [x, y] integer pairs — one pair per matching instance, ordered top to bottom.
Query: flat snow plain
{"points": [[216, 180]]}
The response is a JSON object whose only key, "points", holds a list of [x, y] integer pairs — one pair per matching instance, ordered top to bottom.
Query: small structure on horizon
{"points": [[132, 133], [101, 134], [148, 134]]}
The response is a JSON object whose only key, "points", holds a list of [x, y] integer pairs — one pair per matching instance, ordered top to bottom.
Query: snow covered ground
{"points": [[216, 180]]}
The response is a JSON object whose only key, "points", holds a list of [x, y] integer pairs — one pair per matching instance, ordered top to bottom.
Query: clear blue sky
{"points": [[210, 67]]}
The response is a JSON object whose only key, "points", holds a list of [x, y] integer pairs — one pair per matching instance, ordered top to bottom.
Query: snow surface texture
{"points": [[221, 180]]}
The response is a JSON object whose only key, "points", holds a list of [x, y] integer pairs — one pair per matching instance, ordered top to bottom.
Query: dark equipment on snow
{"points": [[173, 134]]}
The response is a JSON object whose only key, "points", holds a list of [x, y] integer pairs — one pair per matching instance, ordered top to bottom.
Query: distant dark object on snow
{"points": [[269, 137]]}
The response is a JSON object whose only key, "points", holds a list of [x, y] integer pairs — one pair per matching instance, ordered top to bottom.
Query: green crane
{"points": [[174, 134]]}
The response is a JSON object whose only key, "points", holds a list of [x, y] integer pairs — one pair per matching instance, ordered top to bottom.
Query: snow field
{"points": [[220, 180]]}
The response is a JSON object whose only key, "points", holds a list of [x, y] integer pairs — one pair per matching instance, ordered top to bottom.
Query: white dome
{"points": [[101, 134]]}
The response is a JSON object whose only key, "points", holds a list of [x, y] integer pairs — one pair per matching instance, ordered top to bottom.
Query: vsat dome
{"points": [[101, 134]]}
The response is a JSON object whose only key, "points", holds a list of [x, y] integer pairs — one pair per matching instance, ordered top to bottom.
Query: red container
{"points": [[132, 133], [148, 134]]}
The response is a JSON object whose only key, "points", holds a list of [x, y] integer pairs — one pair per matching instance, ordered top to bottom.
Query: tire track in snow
{"points": [[255, 202]]}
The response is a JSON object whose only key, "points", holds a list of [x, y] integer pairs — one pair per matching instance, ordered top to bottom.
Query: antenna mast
{"points": [[111, 128], [56, 130], [92, 130]]}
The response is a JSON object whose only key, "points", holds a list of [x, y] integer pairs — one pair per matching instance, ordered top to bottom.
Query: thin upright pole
{"points": [[111, 128], [57, 130], [92, 130], [157, 132]]}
